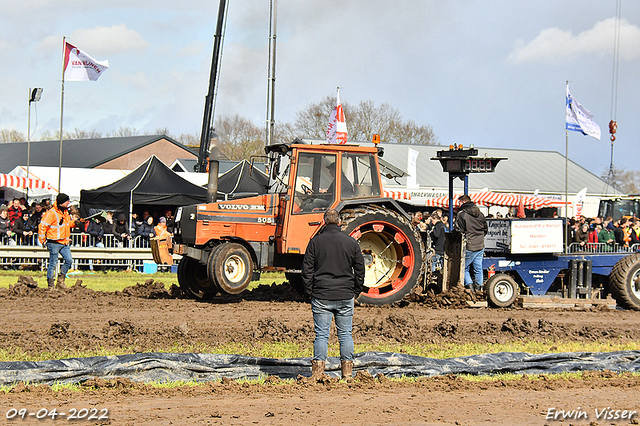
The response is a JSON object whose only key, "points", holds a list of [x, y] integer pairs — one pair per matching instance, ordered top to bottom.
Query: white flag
{"points": [[78, 66], [579, 119], [337, 129], [412, 168], [578, 202]]}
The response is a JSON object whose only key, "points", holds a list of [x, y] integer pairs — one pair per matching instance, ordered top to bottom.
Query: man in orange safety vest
{"points": [[54, 233]]}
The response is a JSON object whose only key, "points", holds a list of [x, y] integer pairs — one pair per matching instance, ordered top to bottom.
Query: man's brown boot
{"points": [[51, 282], [60, 284], [347, 368], [317, 369]]}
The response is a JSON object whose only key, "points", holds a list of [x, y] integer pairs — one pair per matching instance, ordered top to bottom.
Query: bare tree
{"points": [[367, 120], [312, 121], [363, 121], [161, 131], [123, 132], [284, 132], [82, 134], [11, 135], [48, 135], [239, 138], [189, 139], [627, 181]]}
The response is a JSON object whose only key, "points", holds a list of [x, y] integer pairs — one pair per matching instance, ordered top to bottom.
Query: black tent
{"points": [[243, 180], [152, 183]]}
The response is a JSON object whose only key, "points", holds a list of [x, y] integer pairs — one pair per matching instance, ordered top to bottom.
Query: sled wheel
{"points": [[393, 252], [232, 267], [193, 279], [624, 282], [502, 291]]}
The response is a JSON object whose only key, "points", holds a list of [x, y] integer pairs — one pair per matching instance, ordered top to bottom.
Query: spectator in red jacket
{"points": [[15, 211]]}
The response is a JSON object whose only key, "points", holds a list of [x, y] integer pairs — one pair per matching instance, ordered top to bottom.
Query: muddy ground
{"points": [[152, 316]]}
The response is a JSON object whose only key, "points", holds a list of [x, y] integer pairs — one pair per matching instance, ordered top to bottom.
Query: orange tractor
{"points": [[226, 244]]}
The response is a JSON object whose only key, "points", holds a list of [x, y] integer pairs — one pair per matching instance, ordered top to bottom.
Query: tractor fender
{"points": [[387, 203]]}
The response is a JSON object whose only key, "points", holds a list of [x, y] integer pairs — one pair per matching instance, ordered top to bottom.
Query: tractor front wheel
{"points": [[231, 266]]}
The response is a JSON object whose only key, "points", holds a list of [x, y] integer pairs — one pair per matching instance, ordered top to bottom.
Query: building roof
{"points": [[82, 153], [524, 171]]}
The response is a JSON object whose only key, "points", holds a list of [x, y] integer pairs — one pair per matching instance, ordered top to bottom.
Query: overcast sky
{"points": [[489, 73]]}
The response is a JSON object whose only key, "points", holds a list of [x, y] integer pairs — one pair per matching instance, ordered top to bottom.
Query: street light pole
{"points": [[34, 96]]}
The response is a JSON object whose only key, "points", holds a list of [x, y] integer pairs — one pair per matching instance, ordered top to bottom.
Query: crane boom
{"points": [[207, 121]]}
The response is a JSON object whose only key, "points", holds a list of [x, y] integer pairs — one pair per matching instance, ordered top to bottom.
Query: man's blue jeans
{"points": [[55, 248], [473, 258], [436, 262], [323, 312]]}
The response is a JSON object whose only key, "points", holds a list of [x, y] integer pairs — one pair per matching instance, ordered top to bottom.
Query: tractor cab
{"points": [[319, 176], [313, 178], [619, 207]]}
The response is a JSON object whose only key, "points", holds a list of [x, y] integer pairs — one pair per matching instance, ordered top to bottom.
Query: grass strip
{"points": [[111, 281], [281, 350]]}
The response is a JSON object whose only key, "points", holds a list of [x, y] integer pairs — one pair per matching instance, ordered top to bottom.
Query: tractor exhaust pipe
{"points": [[214, 167]]}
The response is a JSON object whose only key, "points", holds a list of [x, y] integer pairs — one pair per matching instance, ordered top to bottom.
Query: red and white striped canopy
{"points": [[22, 182], [396, 194], [488, 199]]}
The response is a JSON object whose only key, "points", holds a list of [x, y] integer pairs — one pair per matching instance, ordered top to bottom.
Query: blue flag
{"points": [[579, 119]]}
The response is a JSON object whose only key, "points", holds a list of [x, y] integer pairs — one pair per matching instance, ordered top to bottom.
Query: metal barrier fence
{"points": [[83, 240], [602, 248], [110, 254], [130, 254]]}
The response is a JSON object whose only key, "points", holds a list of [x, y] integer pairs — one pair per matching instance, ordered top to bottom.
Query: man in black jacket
{"points": [[471, 222], [333, 275]]}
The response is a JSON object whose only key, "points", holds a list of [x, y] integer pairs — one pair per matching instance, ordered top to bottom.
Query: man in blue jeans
{"points": [[471, 222], [54, 233], [333, 275]]}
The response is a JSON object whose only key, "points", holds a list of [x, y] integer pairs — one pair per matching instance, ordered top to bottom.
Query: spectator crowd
{"points": [[19, 226], [603, 234]]}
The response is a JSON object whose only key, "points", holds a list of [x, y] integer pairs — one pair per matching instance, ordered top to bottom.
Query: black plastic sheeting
{"points": [[161, 367]]}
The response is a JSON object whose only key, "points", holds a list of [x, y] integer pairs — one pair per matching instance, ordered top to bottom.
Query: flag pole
{"points": [[64, 45], [566, 166], [566, 177]]}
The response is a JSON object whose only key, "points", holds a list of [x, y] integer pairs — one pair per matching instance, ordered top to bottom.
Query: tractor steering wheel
{"points": [[306, 189]]}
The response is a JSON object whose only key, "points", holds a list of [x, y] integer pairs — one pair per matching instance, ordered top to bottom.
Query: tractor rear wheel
{"points": [[394, 254], [231, 267], [193, 279], [624, 282], [502, 291]]}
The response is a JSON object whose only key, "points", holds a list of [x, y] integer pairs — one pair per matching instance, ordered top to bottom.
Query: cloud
{"points": [[113, 39], [100, 40], [4, 45], [554, 45], [192, 49], [138, 80]]}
